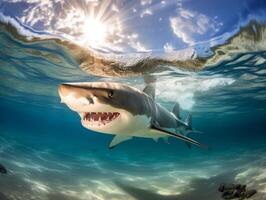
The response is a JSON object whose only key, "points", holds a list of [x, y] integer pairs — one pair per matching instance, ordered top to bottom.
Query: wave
{"points": [[250, 38]]}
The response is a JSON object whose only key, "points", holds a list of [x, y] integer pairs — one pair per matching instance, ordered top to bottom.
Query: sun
{"points": [[95, 31]]}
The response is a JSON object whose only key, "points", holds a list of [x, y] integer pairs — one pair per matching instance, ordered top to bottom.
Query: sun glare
{"points": [[95, 31]]}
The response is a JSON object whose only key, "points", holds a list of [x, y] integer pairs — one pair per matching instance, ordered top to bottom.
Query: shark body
{"points": [[124, 111]]}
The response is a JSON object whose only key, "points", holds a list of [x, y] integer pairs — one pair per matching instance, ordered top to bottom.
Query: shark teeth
{"points": [[98, 118]]}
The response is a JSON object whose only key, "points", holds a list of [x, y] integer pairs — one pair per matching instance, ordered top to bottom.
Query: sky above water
{"points": [[135, 26]]}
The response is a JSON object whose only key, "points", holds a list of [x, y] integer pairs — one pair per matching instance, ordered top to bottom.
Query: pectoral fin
{"points": [[177, 135], [118, 139]]}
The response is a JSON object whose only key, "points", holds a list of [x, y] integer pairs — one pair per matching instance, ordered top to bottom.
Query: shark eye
{"points": [[110, 93], [90, 100]]}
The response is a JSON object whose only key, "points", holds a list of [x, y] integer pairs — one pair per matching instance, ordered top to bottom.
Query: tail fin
{"points": [[189, 124]]}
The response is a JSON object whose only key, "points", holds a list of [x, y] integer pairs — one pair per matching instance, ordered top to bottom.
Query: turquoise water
{"points": [[49, 155]]}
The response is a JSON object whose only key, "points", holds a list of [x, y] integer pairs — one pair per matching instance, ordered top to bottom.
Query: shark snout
{"points": [[64, 90], [72, 94]]}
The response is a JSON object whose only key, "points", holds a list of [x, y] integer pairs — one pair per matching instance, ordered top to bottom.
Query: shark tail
{"points": [[189, 130]]}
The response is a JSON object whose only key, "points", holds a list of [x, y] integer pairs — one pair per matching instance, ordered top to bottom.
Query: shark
{"points": [[125, 112]]}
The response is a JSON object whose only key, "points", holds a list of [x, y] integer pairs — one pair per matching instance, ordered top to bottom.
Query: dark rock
{"points": [[2, 169], [238, 186], [234, 187], [242, 187], [221, 188], [235, 191], [250, 193], [229, 194]]}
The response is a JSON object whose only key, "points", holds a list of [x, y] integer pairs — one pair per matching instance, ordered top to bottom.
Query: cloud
{"points": [[145, 2], [114, 8], [146, 12], [190, 24], [135, 44], [138, 46], [168, 48]]}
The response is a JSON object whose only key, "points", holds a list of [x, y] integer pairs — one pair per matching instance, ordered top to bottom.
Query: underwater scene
{"points": [[132, 100]]}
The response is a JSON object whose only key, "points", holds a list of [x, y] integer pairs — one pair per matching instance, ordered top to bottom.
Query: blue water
{"points": [[49, 155]]}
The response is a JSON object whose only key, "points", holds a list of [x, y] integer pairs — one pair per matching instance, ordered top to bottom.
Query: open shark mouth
{"points": [[98, 118]]}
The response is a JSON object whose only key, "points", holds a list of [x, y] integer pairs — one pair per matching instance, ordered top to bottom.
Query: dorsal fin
{"points": [[150, 90], [176, 111], [189, 121]]}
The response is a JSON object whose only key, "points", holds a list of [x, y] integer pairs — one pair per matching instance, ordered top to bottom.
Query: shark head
{"points": [[107, 107]]}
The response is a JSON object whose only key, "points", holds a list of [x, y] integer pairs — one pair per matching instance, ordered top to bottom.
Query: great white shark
{"points": [[124, 111]]}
